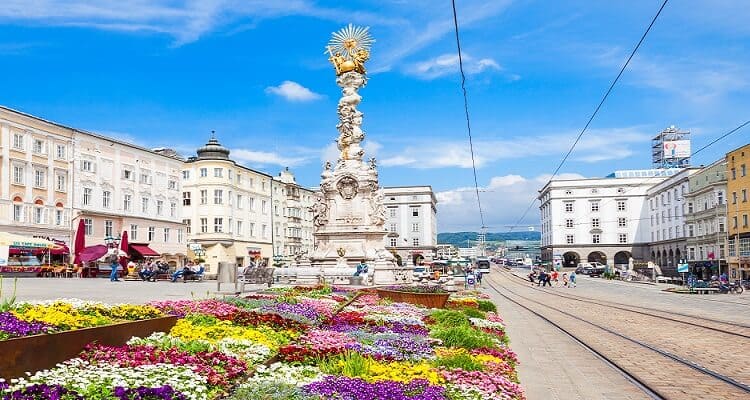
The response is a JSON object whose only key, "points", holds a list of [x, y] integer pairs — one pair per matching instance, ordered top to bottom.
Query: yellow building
{"points": [[226, 208], [738, 212]]}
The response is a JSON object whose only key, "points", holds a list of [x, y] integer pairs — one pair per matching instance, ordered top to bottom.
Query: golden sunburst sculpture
{"points": [[349, 48]]}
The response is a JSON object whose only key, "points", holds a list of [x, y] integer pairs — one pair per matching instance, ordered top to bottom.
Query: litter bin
{"points": [[227, 273]]}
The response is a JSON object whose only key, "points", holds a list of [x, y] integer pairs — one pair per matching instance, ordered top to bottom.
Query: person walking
{"points": [[113, 263], [555, 275], [479, 278], [542, 278], [565, 279], [548, 280], [572, 283]]}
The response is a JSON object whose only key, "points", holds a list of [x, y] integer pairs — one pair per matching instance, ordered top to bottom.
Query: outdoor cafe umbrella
{"points": [[80, 241], [124, 248]]}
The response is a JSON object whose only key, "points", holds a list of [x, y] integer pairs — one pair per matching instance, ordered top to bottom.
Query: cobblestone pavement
{"points": [[101, 289], [664, 375]]}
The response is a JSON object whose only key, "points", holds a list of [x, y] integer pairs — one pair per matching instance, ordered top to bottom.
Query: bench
{"points": [[258, 276], [704, 290]]}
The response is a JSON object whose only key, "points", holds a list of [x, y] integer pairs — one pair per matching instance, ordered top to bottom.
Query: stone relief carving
{"points": [[347, 187], [377, 209], [320, 211]]}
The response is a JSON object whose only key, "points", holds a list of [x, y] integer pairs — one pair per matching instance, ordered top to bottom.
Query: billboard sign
{"points": [[676, 149]]}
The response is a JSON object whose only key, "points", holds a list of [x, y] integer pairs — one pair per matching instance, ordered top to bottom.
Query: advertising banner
{"points": [[677, 149]]}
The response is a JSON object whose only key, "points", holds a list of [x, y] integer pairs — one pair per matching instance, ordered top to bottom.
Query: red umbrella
{"points": [[80, 241], [124, 248]]}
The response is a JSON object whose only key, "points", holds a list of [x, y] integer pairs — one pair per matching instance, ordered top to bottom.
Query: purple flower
{"points": [[12, 326], [340, 387], [43, 392], [165, 392]]}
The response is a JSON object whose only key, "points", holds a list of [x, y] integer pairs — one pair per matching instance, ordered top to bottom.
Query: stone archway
{"points": [[678, 255], [597, 256], [653, 256], [416, 259], [571, 259], [622, 259], [664, 259], [670, 261]]}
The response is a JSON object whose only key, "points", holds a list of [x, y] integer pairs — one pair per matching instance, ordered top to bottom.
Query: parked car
{"points": [[592, 269], [421, 272]]}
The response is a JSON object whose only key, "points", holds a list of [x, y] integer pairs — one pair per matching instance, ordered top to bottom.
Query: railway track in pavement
{"points": [[654, 352]]}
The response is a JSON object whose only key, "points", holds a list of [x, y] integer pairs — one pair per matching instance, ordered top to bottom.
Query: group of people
{"points": [[149, 270], [190, 270], [552, 278]]}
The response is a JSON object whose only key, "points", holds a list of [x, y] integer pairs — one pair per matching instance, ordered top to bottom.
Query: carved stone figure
{"points": [[347, 187], [377, 209], [320, 211]]}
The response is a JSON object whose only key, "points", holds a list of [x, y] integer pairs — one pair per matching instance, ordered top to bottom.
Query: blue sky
{"points": [[165, 73]]}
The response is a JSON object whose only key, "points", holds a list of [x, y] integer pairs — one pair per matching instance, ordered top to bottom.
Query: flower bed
{"points": [[430, 296], [295, 344]]}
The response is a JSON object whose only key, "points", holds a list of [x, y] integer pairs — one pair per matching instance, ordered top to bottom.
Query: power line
{"points": [[599, 106], [466, 111], [721, 137]]}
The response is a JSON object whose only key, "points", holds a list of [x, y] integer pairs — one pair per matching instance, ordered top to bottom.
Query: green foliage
{"points": [[459, 239], [6, 304], [486, 305], [473, 313], [450, 318], [463, 336], [463, 361], [350, 364], [269, 391]]}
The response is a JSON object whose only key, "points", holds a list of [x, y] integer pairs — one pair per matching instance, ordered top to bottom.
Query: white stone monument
{"points": [[349, 214]]}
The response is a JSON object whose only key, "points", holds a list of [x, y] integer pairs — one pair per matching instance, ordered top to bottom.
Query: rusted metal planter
{"points": [[430, 300], [39, 352]]}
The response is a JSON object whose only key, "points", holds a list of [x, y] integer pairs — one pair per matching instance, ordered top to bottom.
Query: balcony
{"points": [[294, 239]]}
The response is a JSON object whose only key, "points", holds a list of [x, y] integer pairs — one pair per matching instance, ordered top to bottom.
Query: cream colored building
{"points": [[35, 176], [123, 187], [226, 207], [292, 218], [411, 223]]}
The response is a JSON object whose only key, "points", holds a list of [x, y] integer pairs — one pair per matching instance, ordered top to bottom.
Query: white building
{"points": [[124, 187], [227, 208], [292, 217], [597, 219], [666, 220], [705, 220], [411, 224], [446, 251], [468, 252]]}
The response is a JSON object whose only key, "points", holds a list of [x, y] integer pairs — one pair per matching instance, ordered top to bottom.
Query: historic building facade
{"points": [[36, 165], [121, 187], [227, 209], [738, 212], [411, 213], [292, 217], [705, 217], [597, 219]]}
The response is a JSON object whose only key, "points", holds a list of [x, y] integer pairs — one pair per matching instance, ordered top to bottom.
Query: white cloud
{"points": [[446, 64], [293, 91], [595, 146], [266, 158], [504, 200]]}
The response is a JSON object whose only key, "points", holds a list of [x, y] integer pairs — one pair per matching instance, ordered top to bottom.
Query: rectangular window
{"points": [[18, 141], [38, 146], [61, 153], [87, 165], [743, 170], [204, 172], [218, 172], [18, 174], [185, 174], [229, 174], [734, 174], [128, 175], [39, 178], [145, 178], [239, 178], [60, 182], [172, 185], [218, 193], [744, 195], [87, 196], [204, 196], [720, 197], [734, 197], [185, 198], [106, 199], [239, 201], [251, 204], [144, 205], [620, 205], [569, 206], [594, 206], [159, 207], [263, 207], [172, 210], [415, 211], [18, 212], [392, 212], [38, 215], [58, 217], [744, 220], [595, 222], [622, 222], [734, 222], [568, 223], [187, 224], [204, 225], [218, 225], [88, 226], [721, 226], [393, 227], [415, 227], [108, 228], [239, 228], [252, 229], [264, 230], [691, 231], [133, 232], [151, 233], [166, 235], [180, 237], [595, 238], [622, 238], [569, 239], [393, 242], [415, 242]]}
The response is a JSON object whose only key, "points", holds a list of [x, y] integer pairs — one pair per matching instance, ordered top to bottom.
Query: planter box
{"points": [[431, 300], [39, 352]]}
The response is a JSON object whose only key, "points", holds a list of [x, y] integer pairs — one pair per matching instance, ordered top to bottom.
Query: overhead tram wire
{"points": [[598, 107], [466, 111]]}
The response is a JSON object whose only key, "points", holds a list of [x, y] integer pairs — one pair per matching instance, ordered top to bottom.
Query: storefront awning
{"points": [[143, 250], [93, 253]]}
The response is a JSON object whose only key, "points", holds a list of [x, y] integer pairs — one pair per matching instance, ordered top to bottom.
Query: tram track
{"points": [[726, 327], [660, 373]]}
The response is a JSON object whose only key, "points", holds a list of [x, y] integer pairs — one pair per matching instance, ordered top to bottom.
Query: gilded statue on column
{"points": [[349, 49]]}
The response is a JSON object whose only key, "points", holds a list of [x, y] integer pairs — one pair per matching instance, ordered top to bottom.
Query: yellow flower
{"points": [[186, 330]]}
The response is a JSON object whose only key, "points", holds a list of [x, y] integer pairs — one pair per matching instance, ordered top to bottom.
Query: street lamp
{"points": [[111, 241]]}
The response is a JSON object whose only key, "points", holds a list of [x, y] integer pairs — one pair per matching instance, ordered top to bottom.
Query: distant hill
{"points": [[459, 239]]}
